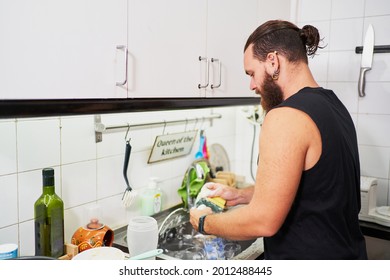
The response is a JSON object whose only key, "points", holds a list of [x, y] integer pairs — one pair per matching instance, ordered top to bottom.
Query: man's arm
{"points": [[286, 137]]}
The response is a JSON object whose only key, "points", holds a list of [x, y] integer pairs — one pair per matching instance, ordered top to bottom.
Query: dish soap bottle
{"points": [[151, 199], [49, 219]]}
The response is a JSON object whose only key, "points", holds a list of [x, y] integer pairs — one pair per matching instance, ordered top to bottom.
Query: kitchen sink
{"points": [[179, 240], [183, 242]]}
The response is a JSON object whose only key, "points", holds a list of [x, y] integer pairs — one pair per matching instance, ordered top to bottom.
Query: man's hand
{"points": [[233, 196], [195, 214]]}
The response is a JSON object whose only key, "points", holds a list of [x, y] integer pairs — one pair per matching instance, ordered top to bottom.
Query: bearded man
{"points": [[306, 198]]}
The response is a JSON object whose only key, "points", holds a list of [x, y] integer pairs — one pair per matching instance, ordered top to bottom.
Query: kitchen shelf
{"points": [[66, 107]]}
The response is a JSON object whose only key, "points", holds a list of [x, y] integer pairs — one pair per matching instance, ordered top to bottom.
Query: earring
{"points": [[275, 75]]}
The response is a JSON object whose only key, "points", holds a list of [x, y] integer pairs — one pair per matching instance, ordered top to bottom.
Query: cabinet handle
{"points": [[123, 47], [219, 71], [207, 72]]}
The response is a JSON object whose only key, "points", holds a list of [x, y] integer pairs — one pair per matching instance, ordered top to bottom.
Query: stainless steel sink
{"points": [[179, 240], [183, 242]]}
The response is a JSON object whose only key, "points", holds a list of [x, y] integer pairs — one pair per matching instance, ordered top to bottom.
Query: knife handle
{"points": [[362, 81]]}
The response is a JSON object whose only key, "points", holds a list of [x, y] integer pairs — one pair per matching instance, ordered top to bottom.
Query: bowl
{"points": [[100, 253]]}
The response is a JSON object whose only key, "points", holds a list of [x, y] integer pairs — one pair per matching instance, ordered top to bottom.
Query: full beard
{"points": [[271, 94]]}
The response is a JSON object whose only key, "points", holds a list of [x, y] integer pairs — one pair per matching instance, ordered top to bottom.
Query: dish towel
{"points": [[195, 183]]}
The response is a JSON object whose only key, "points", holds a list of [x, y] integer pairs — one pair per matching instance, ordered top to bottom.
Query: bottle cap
{"points": [[48, 172], [48, 176]]}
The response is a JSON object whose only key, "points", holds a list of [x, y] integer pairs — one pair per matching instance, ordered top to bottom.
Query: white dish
{"points": [[100, 253]]}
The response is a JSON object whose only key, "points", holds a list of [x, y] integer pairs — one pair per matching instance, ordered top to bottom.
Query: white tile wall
{"points": [[376, 8], [347, 9], [314, 10], [348, 21], [345, 34], [319, 66], [343, 66], [378, 91], [346, 92], [76, 140], [38, 142], [8, 148], [89, 173], [79, 183], [9, 200], [9, 234]]}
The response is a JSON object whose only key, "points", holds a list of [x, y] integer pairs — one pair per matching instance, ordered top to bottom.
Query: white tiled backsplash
{"points": [[89, 173]]}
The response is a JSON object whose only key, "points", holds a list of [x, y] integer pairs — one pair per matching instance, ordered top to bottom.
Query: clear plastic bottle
{"points": [[151, 198], [49, 219]]}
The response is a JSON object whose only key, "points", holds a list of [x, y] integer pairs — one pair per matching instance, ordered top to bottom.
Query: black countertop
{"points": [[375, 230]]}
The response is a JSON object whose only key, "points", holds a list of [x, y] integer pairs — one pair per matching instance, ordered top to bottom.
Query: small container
{"points": [[151, 198], [94, 234], [142, 235], [8, 251]]}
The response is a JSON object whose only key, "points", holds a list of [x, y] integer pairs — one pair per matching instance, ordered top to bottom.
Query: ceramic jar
{"points": [[93, 235]]}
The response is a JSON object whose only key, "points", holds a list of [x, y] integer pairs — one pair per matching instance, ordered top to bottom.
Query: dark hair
{"points": [[285, 38]]}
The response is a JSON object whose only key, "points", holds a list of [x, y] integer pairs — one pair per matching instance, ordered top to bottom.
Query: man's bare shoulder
{"points": [[286, 117]]}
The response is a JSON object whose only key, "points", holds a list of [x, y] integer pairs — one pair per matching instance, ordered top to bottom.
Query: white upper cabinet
{"points": [[230, 22], [165, 40], [188, 48], [62, 49], [82, 49]]}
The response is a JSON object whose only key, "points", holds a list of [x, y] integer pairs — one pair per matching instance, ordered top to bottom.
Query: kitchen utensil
{"points": [[366, 63], [205, 149], [199, 153], [218, 158], [128, 195], [101, 253], [147, 255]]}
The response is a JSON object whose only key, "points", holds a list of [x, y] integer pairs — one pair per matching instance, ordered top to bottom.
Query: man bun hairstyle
{"points": [[286, 38], [310, 38]]}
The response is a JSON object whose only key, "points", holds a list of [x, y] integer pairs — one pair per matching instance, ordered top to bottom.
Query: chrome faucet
{"points": [[199, 175]]}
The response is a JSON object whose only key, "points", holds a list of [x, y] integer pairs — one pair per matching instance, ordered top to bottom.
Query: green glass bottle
{"points": [[49, 219]]}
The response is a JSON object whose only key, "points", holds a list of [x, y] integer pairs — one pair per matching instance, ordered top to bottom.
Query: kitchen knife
{"points": [[366, 63]]}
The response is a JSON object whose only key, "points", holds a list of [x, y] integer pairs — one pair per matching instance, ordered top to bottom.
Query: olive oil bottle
{"points": [[49, 219]]}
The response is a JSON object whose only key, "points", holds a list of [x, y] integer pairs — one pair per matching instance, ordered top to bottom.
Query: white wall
{"points": [[342, 24], [89, 173]]}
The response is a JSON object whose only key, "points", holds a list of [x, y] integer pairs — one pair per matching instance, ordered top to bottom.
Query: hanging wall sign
{"points": [[174, 145]]}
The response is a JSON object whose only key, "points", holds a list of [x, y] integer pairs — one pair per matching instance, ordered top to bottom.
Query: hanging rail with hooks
{"points": [[100, 128]]}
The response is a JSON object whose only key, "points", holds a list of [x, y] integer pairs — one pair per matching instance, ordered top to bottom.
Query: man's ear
{"points": [[272, 63]]}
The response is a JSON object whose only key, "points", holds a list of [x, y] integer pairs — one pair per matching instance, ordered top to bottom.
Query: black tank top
{"points": [[323, 220]]}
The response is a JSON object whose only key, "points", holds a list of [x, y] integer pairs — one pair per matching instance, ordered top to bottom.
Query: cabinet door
{"points": [[230, 22], [165, 41], [62, 49]]}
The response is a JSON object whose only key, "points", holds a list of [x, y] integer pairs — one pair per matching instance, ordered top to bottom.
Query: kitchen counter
{"points": [[375, 230], [377, 240]]}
